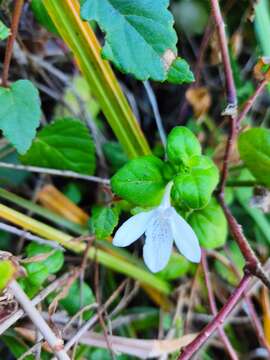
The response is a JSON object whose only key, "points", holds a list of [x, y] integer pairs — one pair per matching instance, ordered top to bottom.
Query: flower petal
{"points": [[132, 229], [185, 238], [158, 244]]}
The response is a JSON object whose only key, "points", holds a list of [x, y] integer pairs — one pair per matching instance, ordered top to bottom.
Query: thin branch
{"points": [[10, 43], [250, 102], [154, 105], [64, 173], [27, 235], [37, 299], [218, 320], [55, 343], [230, 350]]}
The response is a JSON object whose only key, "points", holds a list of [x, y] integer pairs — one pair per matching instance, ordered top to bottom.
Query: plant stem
{"points": [[10, 42], [230, 86], [250, 102], [64, 173], [241, 183], [58, 283], [218, 320], [55, 343], [230, 350]]}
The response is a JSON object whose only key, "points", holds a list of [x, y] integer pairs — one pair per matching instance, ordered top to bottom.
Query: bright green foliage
{"points": [[42, 16], [4, 31], [139, 34], [180, 72], [20, 113], [64, 144], [182, 145], [254, 148], [140, 181], [195, 187], [103, 221], [210, 225], [53, 263], [178, 266], [38, 271], [7, 272], [77, 298]]}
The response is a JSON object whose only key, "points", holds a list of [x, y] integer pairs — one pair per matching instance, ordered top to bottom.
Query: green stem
{"points": [[82, 41], [241, 183]]}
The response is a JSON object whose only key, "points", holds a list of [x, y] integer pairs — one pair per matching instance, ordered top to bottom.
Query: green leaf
{"points": [[42, 16], [4, 31], [139, 34], [180, 72], [20, 113], [64, 144], [182, 144], [254, 148], [115, 155], [140, 181], [195, 188], [103, 221], [210, 225], [53, 263], [178, 266], [7, 272], [37, 273], [78, 298]]}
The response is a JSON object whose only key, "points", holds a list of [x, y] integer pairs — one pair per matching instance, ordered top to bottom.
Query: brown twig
{"points": [[10, 43], [218, 320], [230, 350]]}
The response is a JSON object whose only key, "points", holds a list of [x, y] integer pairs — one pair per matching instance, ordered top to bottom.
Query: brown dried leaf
{"points": [[200, 100], [53, 199]]}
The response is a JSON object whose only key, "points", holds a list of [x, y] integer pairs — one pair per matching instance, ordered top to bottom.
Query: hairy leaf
{"points": [[140, 38], [20, 113], [64, 144], [140, 181]]}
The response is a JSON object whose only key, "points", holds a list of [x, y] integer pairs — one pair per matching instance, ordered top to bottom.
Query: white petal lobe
{"points": [[132, 229], [185, 238], [158, 244]]}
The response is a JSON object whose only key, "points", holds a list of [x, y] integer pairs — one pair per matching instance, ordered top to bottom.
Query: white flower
{"points": [[161, 226]]}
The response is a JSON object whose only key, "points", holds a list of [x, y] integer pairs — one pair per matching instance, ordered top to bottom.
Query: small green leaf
{"points": [[42, 16], [4, 31], [139, 34], [180, 72], [20, 113], [64, 144], [182, 145], [254, 148], [115, 155], [140, 181], [195, 188], [103, 221], [210, 225], [53, 263], [178, 266], [7, 272], [37, 273], [77, 298]]}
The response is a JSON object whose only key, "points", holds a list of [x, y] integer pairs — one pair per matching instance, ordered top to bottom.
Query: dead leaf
{"points": [[262, 68], [200, 100], [53, 199], [266, 313], [143, 349]]}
